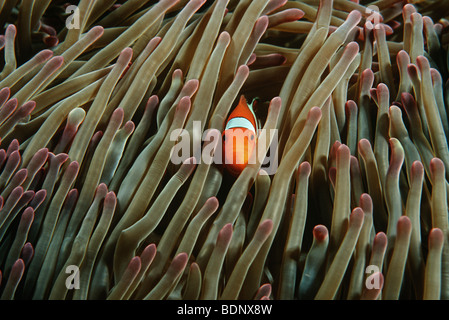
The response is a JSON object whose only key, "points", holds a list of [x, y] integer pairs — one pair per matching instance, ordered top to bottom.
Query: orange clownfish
{"points": [[239, 137]]}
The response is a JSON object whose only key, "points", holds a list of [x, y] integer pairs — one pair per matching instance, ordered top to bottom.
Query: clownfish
{"points": [[239, 137]]}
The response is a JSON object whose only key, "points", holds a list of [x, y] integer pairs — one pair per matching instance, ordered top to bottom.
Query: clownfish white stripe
{"points": [[240, 122]]}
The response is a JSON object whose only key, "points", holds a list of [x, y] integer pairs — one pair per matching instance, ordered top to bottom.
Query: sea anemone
{"points": [[346, 199]]}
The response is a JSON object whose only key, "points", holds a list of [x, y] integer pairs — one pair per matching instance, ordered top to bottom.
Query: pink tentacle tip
{"points": [[409, 8], [295, 14], [355, 16], [416, 17], [427, 21], [261, 24], [11, 29], [97, 31], [225, 37], [154, 42], [352, 49], [127, 53], [403, 56], [55, 63], [423, 63], [243, 70], [412, 71], [177, 74], [436, 76], [191, 87], [382, 89], [6, 91], [13, 101], [152, 102], [275, 104], [184, 105], [9, 107], [351, 107], [27, 108], [395, 110], [314, 114], [118, 115], [129, 126], [364, 145], [334, 148], [43, 152], [343, 153], [397, 154], [14, 156], [61, 157], [74, 166], [305, 168], [417, 169], [437, 169], [21, 174], [102, 189], [16, 193], [27, 196], [39, 197], [110, 197], [110, 202], [366, 202], [213, 203], [28, 213], [356, 218], [404, 225], [264, 230], [320, 233], [225, 235], [436, 238], [380, 239], [27, 252], [149, 252], [180, 261], [134, 265], [18, 268]]}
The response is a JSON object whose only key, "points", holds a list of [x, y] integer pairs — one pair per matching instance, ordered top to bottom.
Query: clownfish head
{"points": [[239, 137]]}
